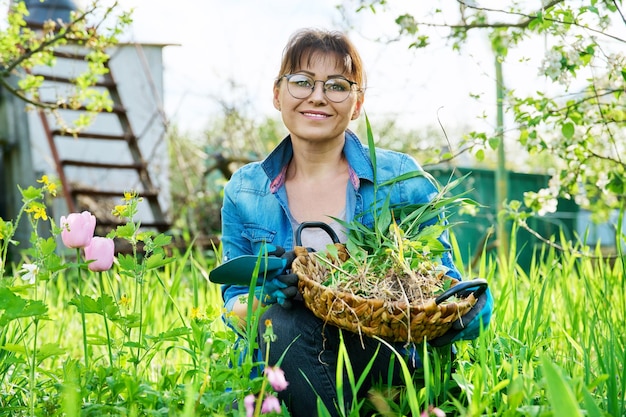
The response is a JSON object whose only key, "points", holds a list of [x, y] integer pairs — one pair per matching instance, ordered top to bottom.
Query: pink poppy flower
{"points": [[77, 229], [101, 251]]}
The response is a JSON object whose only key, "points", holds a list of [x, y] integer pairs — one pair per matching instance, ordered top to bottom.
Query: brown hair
{"points": [[305, 43]]}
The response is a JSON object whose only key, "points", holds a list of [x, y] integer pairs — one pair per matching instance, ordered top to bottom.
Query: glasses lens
{"points": [[299, 85], [337, 89]]}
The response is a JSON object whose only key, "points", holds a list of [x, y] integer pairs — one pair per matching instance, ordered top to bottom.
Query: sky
{"points": [[214, 43], [227, 53]]}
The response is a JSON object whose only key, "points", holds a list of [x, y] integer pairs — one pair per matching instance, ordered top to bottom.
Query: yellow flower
{"points": [[44, 180], [48, 185], [52, 189], [131, 195], [38, 210], [119, 210], [40, 213], [125, 301], [195, 313], [269, 335]]}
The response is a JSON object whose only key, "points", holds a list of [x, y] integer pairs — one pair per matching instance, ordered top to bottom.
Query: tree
{"points": [[24, 48], [581, 119]]}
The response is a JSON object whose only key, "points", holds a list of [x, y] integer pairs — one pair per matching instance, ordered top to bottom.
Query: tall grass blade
{"points": [[408, 380], [560, 394]]}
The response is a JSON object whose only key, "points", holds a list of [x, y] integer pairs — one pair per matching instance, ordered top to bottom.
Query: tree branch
{"points": [[528, 18], [61, 35], [16, 92]]}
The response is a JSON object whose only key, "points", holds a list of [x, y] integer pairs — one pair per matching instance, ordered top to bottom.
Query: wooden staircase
{"points": [[97, 166]]}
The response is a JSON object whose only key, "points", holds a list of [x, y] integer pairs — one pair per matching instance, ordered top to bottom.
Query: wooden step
{"points": [[70, 55], [65, 80], [117, 109], [88, 135], [105, 165], [112, 193], [114, 223]]}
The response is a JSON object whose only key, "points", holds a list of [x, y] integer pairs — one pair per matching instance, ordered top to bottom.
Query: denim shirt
{"points": [[255, 209]]}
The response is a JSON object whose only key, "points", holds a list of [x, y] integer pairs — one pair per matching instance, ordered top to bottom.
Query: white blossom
{"points": [[29, 272]]}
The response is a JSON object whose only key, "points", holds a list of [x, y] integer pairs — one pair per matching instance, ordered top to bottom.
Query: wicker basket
{"points": [[392, 321]]}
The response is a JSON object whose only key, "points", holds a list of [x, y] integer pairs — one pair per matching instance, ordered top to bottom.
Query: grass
{"points": [[556, 345]]}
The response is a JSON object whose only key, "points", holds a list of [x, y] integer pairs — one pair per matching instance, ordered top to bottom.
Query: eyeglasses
{"points": [[336, 89]]}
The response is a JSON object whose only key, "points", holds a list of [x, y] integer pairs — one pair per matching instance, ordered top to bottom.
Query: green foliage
{"points": [[24, 49], [576, 125], [200, 166], [403, 239], [157, 343]]}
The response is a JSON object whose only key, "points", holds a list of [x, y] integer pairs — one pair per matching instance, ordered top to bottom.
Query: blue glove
{"points": [[283, 286], [280, 289], [468, 326]]}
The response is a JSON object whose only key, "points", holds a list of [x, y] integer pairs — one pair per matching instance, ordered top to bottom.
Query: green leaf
{"points": [[568, 130], [523, 138], [494, 143], [371, 145], [408, 176], [31, 193], [126, 231], [431, 232], [162, 240], [47, 246], [157, 260], [126, 262], [55, 263], [86, 303], [108, 306], [16, 307], [130, 321], [173, 335], [49, 350], [560, 394], [590, 405]]}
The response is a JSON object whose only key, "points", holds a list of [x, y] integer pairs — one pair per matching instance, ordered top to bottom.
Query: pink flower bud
{"points": [[77, 229], [101, 250], [276, 378], [248, 402], [270, 403], [433, 411]]}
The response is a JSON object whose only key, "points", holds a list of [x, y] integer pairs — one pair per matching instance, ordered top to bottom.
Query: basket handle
{"points": [[319, 225], [479, 283]]}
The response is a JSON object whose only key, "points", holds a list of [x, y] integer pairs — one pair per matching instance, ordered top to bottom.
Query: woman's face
{"points": [[316, 118]]}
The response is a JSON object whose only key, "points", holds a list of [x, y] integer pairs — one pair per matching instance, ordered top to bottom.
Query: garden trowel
{"points": [[241, 270]]}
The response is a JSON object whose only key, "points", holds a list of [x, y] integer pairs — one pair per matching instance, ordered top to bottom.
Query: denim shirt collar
{"points": [[361, 168]]}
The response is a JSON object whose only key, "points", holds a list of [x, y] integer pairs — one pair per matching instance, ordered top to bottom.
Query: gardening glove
{"points": [[283, 286], [468, 326]]}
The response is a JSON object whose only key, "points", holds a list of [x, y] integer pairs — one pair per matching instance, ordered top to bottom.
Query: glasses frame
{"points": [[352, 83]]}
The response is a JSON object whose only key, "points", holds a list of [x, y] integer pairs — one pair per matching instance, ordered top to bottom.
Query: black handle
{"points": [[319, 225], [478, 283]]}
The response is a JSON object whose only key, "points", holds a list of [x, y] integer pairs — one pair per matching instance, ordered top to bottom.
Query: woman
{"points": [[320, 171]]}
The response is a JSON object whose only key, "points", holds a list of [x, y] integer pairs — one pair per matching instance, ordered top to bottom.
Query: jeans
{"points": [[310, 361]]}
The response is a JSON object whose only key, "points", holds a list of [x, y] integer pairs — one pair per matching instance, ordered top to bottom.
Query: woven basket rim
{"points": [[395, 303], [435, 318]]}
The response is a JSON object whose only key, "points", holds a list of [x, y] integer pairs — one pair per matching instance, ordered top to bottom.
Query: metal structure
{"points": [[123, 150], [88, 162]]}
